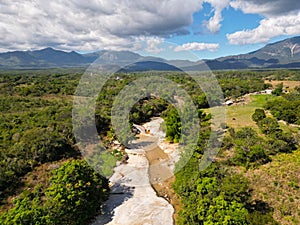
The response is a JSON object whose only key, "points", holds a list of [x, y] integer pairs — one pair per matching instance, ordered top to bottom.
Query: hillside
{"points": [[283, 54]]}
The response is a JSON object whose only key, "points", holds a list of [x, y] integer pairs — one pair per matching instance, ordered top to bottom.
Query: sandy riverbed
{"points": [[133, 200]]}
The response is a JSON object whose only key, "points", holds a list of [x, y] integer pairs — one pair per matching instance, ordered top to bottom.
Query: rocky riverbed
{"points": [[133, 201]]}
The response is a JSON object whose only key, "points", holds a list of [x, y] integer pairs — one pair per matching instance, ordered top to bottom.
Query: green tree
{"points": [[278, 89], [258, 115], [173, 124], [268, 125], [75, 194], [27, 210], [222, 212]]}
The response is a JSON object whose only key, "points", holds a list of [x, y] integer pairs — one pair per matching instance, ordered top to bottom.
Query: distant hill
{"points": [[282, 54], [56, 57], [44, 58], [149, 65]]}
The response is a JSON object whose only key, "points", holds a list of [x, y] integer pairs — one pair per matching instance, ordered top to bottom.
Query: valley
{"points": [[251, 179]]}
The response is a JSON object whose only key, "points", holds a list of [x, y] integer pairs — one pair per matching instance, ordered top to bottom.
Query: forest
{"points": [[45, 180]]}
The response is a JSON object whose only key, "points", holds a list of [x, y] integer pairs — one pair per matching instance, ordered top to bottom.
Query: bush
{"points": [[278, 89], [258, 115], [268, 125], [74, 196]]}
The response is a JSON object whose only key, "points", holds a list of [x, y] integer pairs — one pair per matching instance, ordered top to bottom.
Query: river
{"points": [[133, 201]]}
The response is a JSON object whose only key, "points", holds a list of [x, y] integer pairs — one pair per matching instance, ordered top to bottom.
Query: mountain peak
{"points": [[47, 49], [282, 54]]}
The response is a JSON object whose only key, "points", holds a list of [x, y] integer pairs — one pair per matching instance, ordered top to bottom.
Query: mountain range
{"points": [[282, 54]]}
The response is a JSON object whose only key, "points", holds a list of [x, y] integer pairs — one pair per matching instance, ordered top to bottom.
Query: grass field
{"points": [[287, 84], [240, 115], [277, 183]]}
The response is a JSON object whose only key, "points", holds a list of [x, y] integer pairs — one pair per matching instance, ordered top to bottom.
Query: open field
{"points": [[287, 84], [240, 115], [277, 183]]}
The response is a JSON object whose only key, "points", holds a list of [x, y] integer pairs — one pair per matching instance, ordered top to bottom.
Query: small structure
{"points": [[268, 91], [229, 102]]}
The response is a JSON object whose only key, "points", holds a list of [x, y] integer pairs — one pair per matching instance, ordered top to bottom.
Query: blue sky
{"points": [[233, 20], [205, 28]]}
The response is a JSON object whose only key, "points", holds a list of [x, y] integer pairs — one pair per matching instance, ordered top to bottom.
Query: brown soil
{"points": [[287, 84], [155, 155], [161, 179], [164, 190]]}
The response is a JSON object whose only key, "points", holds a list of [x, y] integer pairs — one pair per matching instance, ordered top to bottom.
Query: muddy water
{"points": [[159, 169], [160, 175]]}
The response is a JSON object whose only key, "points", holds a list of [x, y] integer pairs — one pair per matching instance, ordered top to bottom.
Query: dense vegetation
{"points": [[236, 84], [287, 107], [36, 130], [251, 149], [221, 194], [74, 197]]}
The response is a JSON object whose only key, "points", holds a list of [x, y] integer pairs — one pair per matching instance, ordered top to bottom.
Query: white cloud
{"points": [[249, 7], [267, 8], [281, 17], [214, 23], [102, 24], [90, 25], [267, 29], [153, 45], [196, 46]]}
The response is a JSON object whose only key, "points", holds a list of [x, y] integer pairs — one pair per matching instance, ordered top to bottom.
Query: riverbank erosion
{"points": [[133, 200]]}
